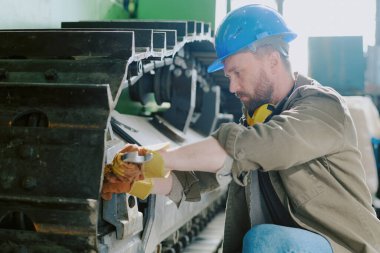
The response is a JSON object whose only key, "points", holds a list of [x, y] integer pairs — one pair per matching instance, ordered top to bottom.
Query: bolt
{"points": [[177, 72], [188, 73], [51, 75], [27, 152], [29, 183]]}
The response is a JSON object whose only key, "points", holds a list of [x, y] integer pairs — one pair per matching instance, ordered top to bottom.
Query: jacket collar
{"points": [[299, 81]]}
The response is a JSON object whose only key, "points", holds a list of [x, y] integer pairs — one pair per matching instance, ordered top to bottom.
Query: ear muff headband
{"points": [[260, 114]]}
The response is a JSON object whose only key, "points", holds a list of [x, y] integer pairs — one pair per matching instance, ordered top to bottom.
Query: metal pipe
{"points": [[280, 6], [377, 28]]}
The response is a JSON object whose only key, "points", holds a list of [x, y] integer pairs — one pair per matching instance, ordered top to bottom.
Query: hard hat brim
{"points": [[279, 41], [215, 66]]}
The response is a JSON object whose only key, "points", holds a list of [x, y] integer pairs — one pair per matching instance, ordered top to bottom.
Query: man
{"points": [[297, 181]]}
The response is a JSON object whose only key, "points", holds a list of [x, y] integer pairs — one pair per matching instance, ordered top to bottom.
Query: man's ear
{"points": [[274, 60]]}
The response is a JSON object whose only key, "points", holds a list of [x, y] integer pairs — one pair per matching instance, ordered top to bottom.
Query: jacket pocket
{"points": [[305, 182]]}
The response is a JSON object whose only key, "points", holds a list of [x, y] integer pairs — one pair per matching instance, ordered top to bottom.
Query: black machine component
{"points": [[175, 83], [207, 119], [59, 127], [44, 177]]}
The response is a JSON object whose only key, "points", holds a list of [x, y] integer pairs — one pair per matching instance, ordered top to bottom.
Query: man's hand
{"points": [[128, 171], [133, 178], [113, 184]]}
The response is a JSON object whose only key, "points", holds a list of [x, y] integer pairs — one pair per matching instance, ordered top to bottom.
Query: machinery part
{"points": [[65, 44], [79, 71], [51, 75], [76, 83], [162, 85], [141, 90], [183, 101], [30, 118], [113, 120], [207, 121], [165, 127], [133, 157], [126, 218], [16, 220], [183, 239]]}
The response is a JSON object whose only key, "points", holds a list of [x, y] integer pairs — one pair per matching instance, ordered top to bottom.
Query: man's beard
{"points": [[263, 93]]}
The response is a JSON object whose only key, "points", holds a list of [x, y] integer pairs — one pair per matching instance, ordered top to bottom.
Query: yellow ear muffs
{"points": [[260, 114]]}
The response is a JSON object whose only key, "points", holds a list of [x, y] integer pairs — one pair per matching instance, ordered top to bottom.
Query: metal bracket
{"points": [[121, 211]]}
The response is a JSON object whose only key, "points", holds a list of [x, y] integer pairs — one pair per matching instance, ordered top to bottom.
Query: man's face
{"points": [[249, 78]]}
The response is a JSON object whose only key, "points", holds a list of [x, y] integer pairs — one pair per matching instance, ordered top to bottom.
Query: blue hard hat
{"points": [[244, 26]]}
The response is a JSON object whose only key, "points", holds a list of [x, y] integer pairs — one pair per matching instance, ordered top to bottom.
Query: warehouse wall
{"points": [[202, 10], [26, 14], [40, 14]]}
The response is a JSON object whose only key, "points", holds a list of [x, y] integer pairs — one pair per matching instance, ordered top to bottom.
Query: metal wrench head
{"points": [[134, 157]]}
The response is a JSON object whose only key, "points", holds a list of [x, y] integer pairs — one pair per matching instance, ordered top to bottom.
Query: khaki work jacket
{"points": [[311, 153]]}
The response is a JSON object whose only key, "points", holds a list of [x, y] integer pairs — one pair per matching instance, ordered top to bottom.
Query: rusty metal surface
{"points": [[142, 38], [61, 44], [84, 71], [69, 106], [74, 117], [46, 133], [51, 162], [27, 241]]}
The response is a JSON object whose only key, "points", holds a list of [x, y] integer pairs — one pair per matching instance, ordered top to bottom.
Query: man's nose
{"points": [[233, 86]]}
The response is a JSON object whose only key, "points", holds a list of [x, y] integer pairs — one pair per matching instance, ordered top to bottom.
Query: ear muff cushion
{"points": [[260, 114]]}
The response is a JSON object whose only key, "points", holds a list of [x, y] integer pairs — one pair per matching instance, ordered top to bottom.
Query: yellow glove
{"points": [[154, 167], [150, 169], [127, 170], [133, 178], [142, 188]]}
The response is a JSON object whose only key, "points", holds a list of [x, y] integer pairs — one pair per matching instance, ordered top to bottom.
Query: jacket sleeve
{"points": [[311, 126], [189, 185]]}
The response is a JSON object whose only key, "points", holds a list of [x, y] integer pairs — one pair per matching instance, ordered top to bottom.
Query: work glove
{"points": [[154, 168], [128, 171], [119, 175], [133, 178], [113, 184], [142, 188]]}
